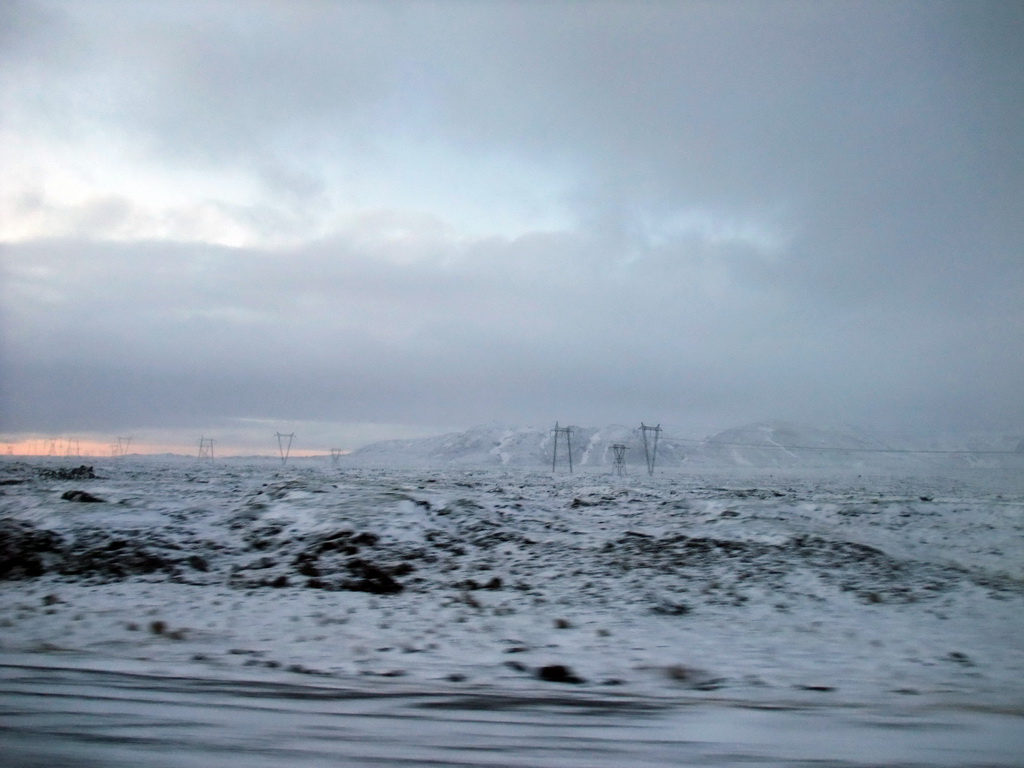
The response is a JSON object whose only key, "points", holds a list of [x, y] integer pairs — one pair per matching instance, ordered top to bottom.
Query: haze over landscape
{"points": [[358, 221], [584, 383]]}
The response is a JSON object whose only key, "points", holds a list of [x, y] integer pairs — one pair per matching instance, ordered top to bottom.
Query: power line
{"points": [[845, 450]]}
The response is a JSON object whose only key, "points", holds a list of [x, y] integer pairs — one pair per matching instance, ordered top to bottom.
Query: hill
{"points": [[764, 444]]}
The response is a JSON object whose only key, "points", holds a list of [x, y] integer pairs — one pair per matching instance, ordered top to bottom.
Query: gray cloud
{"points": [[805, 210]]}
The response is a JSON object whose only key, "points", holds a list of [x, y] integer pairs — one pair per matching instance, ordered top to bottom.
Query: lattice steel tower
{"points": [[567, 431], [206, 448], [284, 448], [121, 449], [650, 453], [619, 461]]}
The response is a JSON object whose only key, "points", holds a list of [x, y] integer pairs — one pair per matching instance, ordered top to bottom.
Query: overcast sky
{"points": [[364, 220]]}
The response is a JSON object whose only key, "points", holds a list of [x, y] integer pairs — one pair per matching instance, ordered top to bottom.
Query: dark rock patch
{"points": [[77, 473], [83, 496], [26, 551], [103, 555], [130, 560], [331, 561], [870, 573], [370, 577], [472, 584], [670, 609], [959, 657], [558, 673]]}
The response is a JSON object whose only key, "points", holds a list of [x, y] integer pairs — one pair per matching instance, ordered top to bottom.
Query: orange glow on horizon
{"points": [[72, 448]]}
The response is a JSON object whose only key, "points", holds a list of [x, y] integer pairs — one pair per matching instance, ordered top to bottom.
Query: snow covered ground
{"points": [[812, 593]]}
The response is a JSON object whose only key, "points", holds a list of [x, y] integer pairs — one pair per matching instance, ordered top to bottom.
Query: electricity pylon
{"points": [[567, 431], [122, 446], [206, 448], [284, 448], [619, 450], [336, 454], [651, 454]]}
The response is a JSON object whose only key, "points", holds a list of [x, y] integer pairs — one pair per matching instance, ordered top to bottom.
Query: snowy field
{"points": [[252, 614]]}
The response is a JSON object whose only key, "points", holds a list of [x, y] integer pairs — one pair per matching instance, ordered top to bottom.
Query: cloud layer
{"points": [[437, 214]]}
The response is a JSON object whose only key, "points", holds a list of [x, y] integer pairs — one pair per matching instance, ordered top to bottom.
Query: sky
{"points": [[355, 221]]}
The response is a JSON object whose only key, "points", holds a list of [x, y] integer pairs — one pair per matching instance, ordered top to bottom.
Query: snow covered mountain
{"points": [[765, 444], [782, 444], [519, 447]]}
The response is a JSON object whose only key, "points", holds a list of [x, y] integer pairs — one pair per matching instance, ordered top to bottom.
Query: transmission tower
{"points": [[567, 431], [284, 446], [53, 448], [73, 448], [206, 448], [121, 450], [650, 453], [336, 454], [619, 462]]}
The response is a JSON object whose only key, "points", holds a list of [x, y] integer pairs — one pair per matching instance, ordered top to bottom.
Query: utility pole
{"points": [[567, 431], [206, 448], [284, 448], [619, 451], [650, 454]]}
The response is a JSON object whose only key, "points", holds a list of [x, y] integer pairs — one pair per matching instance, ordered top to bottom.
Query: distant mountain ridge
{"points": [[764, 444]]}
